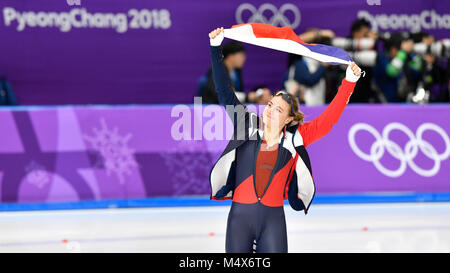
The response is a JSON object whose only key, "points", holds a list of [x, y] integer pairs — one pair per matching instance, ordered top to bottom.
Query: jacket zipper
{"points": [[258, 146], [254, 165], [273, 170]]}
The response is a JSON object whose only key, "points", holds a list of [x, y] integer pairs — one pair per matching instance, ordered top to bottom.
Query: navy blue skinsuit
{"points": [[256, 227]]}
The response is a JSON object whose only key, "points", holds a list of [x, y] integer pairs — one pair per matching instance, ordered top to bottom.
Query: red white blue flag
{"points": [[285, 39]]}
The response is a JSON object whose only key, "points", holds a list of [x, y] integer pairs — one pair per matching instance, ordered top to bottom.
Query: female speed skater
{"points": [[269, 162]]}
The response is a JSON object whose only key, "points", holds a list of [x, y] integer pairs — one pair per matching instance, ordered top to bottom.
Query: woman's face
{"points": [[277, 112]]}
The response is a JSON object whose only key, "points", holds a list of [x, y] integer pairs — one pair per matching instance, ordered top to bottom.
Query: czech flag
{"points": [[285, 39]]}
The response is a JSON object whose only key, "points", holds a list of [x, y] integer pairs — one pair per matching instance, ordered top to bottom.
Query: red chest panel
{"points": [[273, 197]]}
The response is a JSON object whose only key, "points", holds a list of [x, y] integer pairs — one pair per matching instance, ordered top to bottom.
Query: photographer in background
{"points": [[361, 44], [234, 59], [397, 71], [435, 76], [305, 78], [435, 79], [364, 93], [259, 95]]}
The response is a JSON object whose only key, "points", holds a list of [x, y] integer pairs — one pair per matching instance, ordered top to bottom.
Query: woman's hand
{"points": [[213, 34], [216, 36], [356, 69], [352, 73]]}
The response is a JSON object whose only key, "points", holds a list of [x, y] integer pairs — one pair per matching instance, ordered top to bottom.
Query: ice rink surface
{"points": [[394, 227]]}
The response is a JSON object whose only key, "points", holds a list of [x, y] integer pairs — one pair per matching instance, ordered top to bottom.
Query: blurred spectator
{"points": [[361, 29], [425, 38], [234, 59], [397, 64], [305, 76], [304, 79], [435, 79], [433, 83], [363, 92], [259, 95], [7, 96]]}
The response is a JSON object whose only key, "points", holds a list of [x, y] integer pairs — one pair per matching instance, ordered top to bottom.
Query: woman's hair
{"points": [[295, 110], [298, 115]]}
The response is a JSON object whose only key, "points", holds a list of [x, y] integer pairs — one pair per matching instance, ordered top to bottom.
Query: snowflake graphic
{"points": [[113, 149], [190, 168], [37, 175]]}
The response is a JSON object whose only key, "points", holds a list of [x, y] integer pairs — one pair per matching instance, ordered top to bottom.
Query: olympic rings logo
{"points": [[278, 16], [405, 156]]}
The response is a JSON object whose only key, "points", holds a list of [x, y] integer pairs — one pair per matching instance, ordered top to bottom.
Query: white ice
{"points": [[398, 227]]}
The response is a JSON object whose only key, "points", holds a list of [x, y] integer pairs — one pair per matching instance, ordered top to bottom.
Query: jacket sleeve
{"points": [[224, 89], [238, 112], [320, 126], [294, 201]]}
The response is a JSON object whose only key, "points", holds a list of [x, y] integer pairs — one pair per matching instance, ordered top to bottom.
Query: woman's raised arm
{"points": [[224, 89], [320, 126]]}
